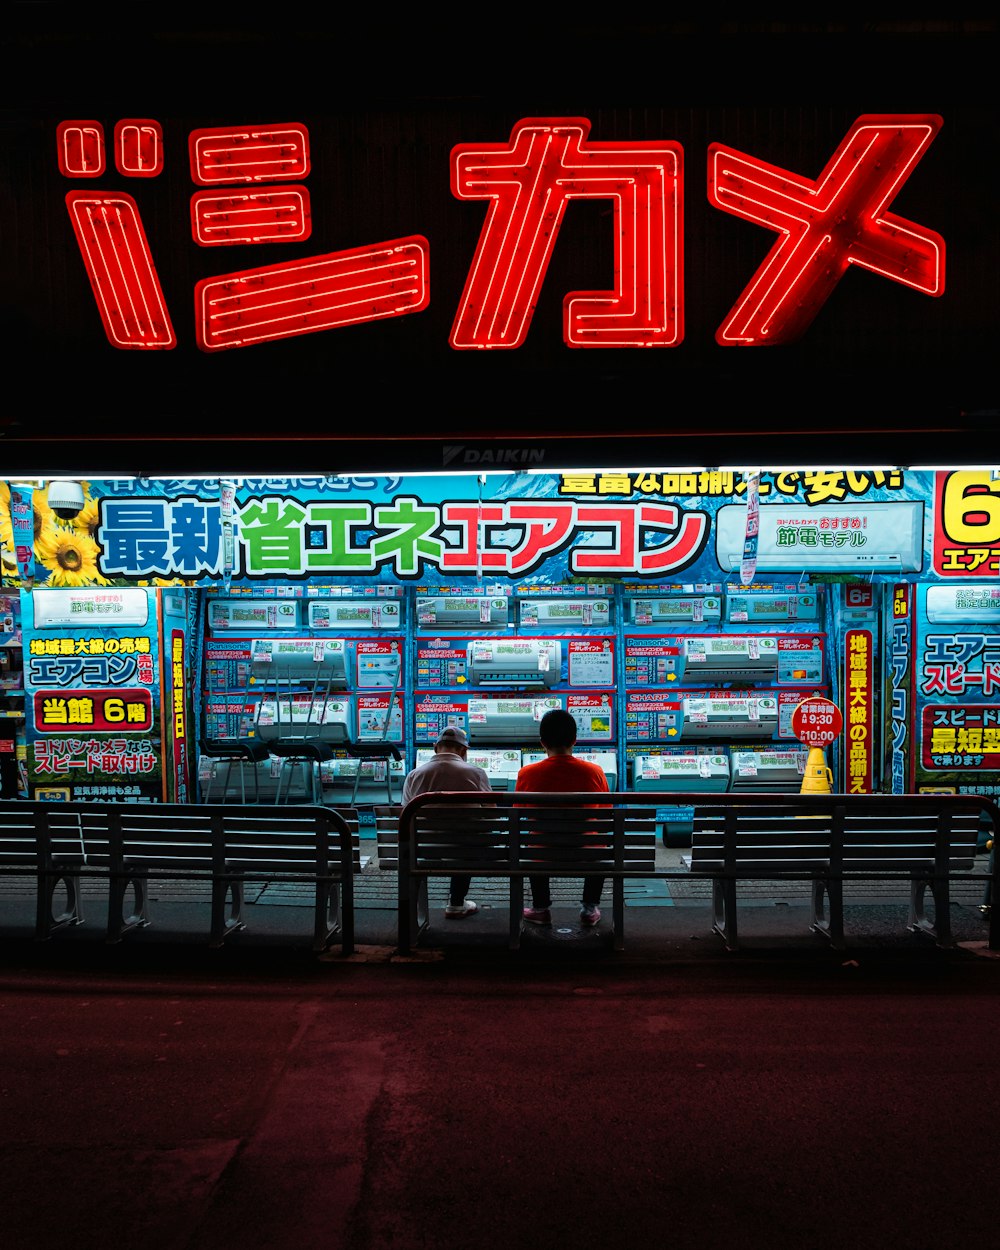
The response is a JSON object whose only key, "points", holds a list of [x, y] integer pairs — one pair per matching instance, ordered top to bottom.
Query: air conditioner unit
{"points": [[90, 606], [767, 607], [683, 609], [463, 612], [565, 613], [355, 614], [236, 615], [730, 658], [318, 661], [526, 662], [299, 716], [755, 716], [507, 720], [607, 761], [501, 767], [766, 771], [680, 772], [674, 825]]}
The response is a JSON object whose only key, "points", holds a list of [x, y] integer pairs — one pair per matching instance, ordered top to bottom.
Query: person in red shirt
{"points": [[561, 771]]}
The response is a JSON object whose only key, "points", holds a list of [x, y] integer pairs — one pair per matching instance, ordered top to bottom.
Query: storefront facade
{"points": [[454, 386]]}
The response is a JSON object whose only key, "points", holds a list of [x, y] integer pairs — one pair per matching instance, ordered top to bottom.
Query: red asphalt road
{"points": [[366, 1106]]}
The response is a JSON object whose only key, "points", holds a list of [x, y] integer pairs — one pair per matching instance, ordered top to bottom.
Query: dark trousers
{"points": [[459, 889], [541, 896]]}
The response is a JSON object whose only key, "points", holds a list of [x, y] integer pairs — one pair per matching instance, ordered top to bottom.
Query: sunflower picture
{"points": [[87, 520], [71, 558]]}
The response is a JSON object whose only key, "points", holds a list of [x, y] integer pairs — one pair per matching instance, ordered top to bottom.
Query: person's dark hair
{"points": [[557, 729]]}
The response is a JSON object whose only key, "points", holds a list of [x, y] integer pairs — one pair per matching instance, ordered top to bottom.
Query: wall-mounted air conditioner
{"points": [[90, 606], [771, 606], [675, 609], [463, 612], [564, 613], [355, 614], [252, 615], [729, 658], [320, 662], [525, 662], [299, 716], [755, 716], [507, 720], [501, 766], [767, 771], [680, 772]]}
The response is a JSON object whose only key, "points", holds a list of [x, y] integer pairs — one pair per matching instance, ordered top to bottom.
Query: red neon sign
{"points": [[139, 148], [80, 149], [259, 154], [529, 181], [270, 215], [840, 219], [119, 265], [318, 293]]}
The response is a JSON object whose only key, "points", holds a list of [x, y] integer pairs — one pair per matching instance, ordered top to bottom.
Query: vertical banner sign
{"points": [[226, 510], [22, 518], [748, 565], [858, 672], [899, 692], [178, 694]]}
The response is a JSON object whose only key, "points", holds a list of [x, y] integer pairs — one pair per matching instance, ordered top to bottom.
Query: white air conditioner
{"points": [[89, 606], [767, 607], [684, 609], [463, 612], [565, 613], [355, 614], [235, 615], [730, 658], [318, 661], [531, 662], [755, 716], [302, 717], [507, 720], [606, 761], [501, 767], [340, 771], [777, 771], [680, 772]]}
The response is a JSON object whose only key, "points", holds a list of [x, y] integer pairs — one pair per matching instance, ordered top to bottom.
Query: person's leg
{"points": [[459, 889], [592, 889], [541, 897]]}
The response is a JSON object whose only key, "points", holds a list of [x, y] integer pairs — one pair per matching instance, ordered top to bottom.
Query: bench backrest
{"points": [[492, 837], [851, 837], [297, 840]]}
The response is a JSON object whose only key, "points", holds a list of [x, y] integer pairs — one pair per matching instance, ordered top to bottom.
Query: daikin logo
{"points": [[458, 453]]}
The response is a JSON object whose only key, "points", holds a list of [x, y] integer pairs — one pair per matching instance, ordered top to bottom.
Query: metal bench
{"points": [[514, 836], [929, 840], [226, 845]]}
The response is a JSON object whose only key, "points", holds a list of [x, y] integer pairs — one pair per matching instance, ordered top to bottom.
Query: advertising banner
{"points": [[546, 528], [92, 696]]}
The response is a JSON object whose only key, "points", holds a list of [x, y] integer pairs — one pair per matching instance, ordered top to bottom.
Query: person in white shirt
{"points": [[449, 770]]}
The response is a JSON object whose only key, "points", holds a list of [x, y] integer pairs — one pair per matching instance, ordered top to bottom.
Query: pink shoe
{"points": [[537, 915], [590, 915]]}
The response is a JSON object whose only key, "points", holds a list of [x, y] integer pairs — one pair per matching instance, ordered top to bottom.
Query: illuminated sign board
{"points": [[255, 175]]}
